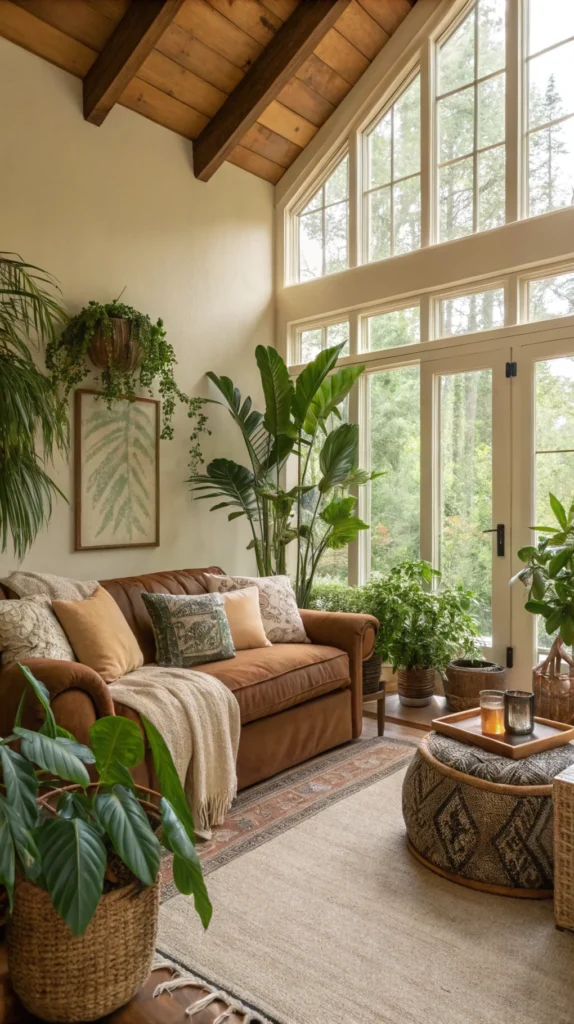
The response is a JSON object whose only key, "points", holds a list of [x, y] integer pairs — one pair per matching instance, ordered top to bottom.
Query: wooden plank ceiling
{"points": [[202, 56]]}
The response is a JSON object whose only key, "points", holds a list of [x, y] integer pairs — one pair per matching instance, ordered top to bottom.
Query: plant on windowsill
{"points": [[130, 353], [33, 423], [318, 513], [548, 576], [421, 631], [84, 860]]}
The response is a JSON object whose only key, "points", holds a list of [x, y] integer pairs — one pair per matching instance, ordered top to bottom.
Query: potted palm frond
{"points": [[130, 353], [33, 422], [80, 861]]}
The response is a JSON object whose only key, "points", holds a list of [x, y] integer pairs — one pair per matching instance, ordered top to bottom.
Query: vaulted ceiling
{"points": [[250, 81]]}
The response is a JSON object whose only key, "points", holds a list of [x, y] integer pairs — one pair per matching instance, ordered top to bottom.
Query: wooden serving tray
{"points": [[466, 727]]}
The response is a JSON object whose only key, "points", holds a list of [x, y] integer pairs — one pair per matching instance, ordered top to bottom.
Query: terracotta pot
{"points": [[120, 349], [465, 679], [415, 686]]}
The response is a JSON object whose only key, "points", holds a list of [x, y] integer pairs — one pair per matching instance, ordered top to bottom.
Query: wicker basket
{"points": [[119, 349], [372, 673], [465, 679], [415, 686], [62, 977]]}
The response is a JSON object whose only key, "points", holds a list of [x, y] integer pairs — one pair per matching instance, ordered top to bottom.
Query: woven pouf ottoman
{"points": [[483, 820]]}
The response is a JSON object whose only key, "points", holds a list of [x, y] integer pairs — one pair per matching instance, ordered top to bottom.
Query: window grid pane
{"points": [[471, 123], [392, 199], [324, 227], [549, 297], [468, 314], [394, 328], [313, 340]]}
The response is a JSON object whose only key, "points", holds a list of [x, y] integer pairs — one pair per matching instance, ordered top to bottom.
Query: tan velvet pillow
{"points": [[244, 617], [100, 635]]}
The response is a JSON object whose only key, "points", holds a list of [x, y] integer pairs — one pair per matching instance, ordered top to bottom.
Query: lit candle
{"points": [[492, 712]]}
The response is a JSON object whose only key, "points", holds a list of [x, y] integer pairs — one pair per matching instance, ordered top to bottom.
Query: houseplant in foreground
{"points": [[130, 353], [302, 420], [33, 423], [548, 576], [420, 630], [80, 862]]}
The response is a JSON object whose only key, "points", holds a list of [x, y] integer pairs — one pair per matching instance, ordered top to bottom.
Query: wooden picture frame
{"points": [[106, 515]]}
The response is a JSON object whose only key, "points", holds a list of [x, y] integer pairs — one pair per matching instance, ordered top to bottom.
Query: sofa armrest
{"points": [[352, 633], [78, 695]]}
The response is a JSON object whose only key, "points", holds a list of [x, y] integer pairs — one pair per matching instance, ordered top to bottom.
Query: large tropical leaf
{"points": [[309, 381], [278, 390], [329, 396], [249, 421], [119, 456], [339, 456], [227, 479], [345, 526], [43, 696], [118, 745], [53, 755], [167, 776], [19, 778], [131, 834], [24, 842], [7, 854], [73, 864], [187, 872]]}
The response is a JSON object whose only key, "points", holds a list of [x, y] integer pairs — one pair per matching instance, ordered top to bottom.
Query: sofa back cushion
{"points": [[126, 592]]}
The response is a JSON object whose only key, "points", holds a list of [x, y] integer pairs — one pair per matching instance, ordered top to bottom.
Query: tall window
{"points": [[550, 90], [471, 123], [393, 180], [324, 227]]}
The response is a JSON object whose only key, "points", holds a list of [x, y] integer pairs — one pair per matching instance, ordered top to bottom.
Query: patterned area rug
{"points": [[270, 808]]}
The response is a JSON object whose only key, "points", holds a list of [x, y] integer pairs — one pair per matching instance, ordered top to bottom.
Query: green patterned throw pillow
{"points": [[189, 629]]}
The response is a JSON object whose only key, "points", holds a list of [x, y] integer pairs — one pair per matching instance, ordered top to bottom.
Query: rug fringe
{"points": [[181, 980]]}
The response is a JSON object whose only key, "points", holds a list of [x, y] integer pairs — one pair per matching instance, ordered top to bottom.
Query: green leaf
{"points": [[309, 381], [278, 390], [329, 395], [339, 455], [227, 479], [338, 510], [559, 510], [525, 554], [559, 561], [538, 585], [538, 608], [554, 621], [567, 628], [43, 696], [118, 745], [53, 756], [21, 784], [169, 784], [74, 805], [131, 834], [24, 843], [7, 855], [73, 864], [187, 872]]}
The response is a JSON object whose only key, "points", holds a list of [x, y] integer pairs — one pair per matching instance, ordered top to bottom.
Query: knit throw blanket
{"points": [[198, 717]]}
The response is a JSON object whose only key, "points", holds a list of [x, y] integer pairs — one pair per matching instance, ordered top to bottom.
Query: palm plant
{"points": [[30, 316], [299, 423]]}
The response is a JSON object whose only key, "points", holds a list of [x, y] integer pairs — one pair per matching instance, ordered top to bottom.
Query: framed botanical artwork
{"points": [[116, 471]]}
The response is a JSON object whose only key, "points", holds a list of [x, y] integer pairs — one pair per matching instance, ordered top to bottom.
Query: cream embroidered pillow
{"points": [[30, 584], [244, 617], [281, 620], [29, 629], [100, 635]]}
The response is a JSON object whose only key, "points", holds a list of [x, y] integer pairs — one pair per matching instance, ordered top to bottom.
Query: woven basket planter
{"points": [[120, 349], [372, 673], [465, 679], [415, 686], [553, 688], [62, 977]]}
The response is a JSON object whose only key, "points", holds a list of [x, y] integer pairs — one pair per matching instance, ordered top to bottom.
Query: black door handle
{"points": [[499, 531]]}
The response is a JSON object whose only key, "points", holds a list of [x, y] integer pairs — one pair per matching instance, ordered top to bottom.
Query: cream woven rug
{"points": [[333, 922]]}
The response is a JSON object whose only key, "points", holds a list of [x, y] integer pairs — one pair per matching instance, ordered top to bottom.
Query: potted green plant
{"points": [[130, 353], [302, 420], [33, 422], [548, 576], [332, 596], [420, 630], [81, 862]]}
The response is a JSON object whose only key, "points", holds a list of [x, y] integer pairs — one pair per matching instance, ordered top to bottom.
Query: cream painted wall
{"points": [[103, 208]]}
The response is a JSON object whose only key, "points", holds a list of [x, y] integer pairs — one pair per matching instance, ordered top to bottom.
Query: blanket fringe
{"points": [[213, 810], [213, 993]]}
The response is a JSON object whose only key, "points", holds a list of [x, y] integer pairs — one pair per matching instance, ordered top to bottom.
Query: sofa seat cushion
{"points": [[269, 679]]}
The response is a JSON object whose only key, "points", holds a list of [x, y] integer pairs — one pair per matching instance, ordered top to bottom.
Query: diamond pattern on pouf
{"points": [[456, 829], [522, 845]]}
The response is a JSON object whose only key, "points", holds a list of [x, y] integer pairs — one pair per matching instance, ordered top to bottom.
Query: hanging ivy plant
{"points": [[130, 353]]}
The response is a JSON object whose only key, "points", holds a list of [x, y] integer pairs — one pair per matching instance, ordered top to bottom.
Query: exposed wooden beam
{"points": [[124, 53], [281, 58]]}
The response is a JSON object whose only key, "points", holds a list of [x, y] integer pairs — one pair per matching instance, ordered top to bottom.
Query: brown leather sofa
{"points": [[296, 700]]}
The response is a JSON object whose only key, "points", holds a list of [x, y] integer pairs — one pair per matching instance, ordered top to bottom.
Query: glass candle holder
{"points": [[492, 712], [519, 712]]}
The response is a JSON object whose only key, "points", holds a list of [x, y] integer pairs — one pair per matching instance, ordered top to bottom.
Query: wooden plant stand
{"points": [[379, 697]]}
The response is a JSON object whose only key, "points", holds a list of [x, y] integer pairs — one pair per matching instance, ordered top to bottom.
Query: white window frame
{"points": [[306, 198], [538, 274], [462, 292]]}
